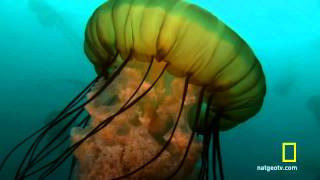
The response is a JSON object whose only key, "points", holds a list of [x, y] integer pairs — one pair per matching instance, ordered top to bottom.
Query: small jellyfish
{"points": [[45, 13], [49, 17], [171, 76], [288, 80], [285, 86], [313, 105]]}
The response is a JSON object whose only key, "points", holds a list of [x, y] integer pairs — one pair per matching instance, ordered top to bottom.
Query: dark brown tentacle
{"points": [[194, 128], [216, 151], [58, 161]]}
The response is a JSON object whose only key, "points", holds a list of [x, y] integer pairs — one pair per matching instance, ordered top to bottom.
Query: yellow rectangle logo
{"points": [[284, 145]]}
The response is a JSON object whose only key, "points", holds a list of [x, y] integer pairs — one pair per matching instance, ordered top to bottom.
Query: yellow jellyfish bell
{"points": [[193, 43]]}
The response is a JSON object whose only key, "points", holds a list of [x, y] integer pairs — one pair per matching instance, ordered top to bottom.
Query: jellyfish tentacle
{"points": [[106, 84], [140, 84], [80, 96], [74, 101], [128, 102], [66, 114], [63, 115], [83, 123], [102, 125], [194, 129], [56, 137], [26, 139], [50, 143], [167, 143], [216, 146], [52, 149], [207, 149], [216, 149], [29, 156], [184, 156], [219, 157], [58, 161], [73, 163], [204, 165], [214, 168], [204, 174]]}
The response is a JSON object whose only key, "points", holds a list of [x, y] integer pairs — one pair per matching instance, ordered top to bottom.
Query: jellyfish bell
{"points": [[218, 59], [167, 71]]}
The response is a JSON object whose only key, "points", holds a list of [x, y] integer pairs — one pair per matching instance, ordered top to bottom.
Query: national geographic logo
{"points": [[289, 152], [289, 155]]}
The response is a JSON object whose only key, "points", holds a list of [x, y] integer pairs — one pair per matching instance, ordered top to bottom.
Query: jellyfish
{"points": [[46, 15], [49, 17], [170, 78], [286, 84], [313, 105]]}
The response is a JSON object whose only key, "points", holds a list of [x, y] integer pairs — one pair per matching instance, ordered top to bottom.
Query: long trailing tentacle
{"points": [[70, 105], [68, 111], [66, 114], [194, 129], [167, 143], [47, 148], [216, 149], [32, 155], [220, 157], [204, 158], [28, 159], [214, 160], [58, 161], [54, 164], [72, 165], [204, 173]]}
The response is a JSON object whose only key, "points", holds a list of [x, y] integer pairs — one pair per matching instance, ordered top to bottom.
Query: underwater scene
{"points": [[160, 89]]}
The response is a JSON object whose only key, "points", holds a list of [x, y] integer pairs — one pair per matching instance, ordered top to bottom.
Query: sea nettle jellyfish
{"points": [[171, 76]]}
